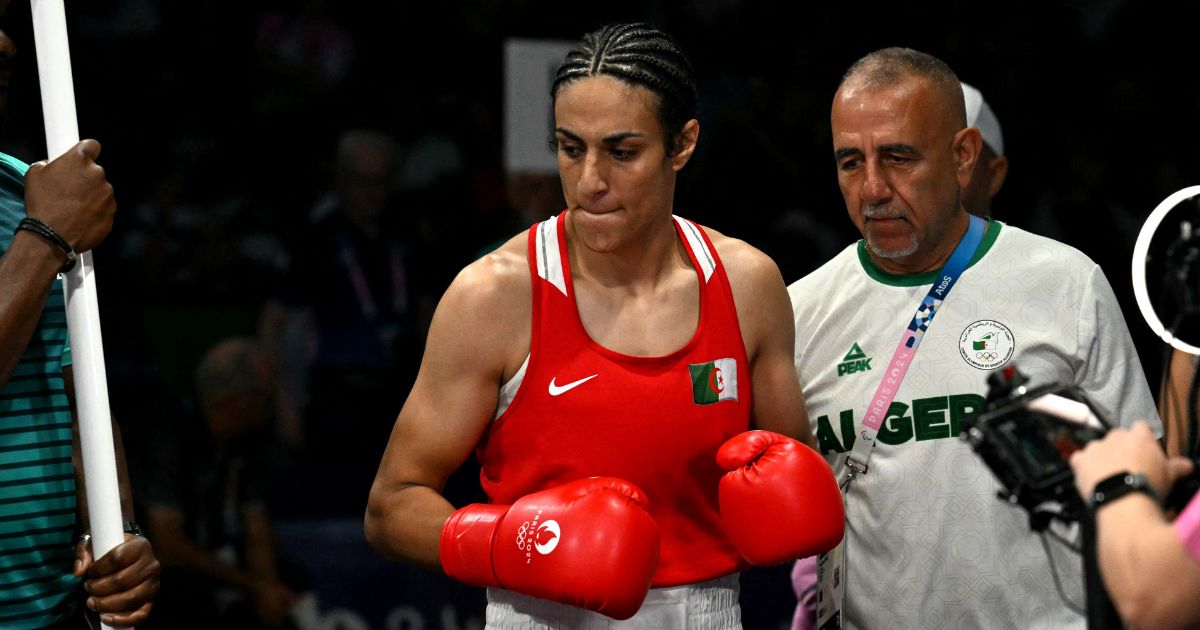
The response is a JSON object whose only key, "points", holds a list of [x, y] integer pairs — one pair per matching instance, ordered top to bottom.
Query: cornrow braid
{"points": [[637, 54]]}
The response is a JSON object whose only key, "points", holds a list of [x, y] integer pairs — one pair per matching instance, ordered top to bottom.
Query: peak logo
{"points": [[855, 361]]}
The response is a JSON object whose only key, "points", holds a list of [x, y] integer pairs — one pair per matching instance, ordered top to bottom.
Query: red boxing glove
{"points": [[780, 500], [589, 543]]}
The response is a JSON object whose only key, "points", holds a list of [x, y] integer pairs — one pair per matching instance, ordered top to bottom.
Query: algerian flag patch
{"points": [[714, 381]]}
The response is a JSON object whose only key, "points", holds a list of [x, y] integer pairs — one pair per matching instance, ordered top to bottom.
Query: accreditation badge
{"points": [[831, 566], [831, 587]]}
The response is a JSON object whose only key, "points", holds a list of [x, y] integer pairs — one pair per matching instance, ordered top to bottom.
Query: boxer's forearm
{"points": [[405, 523]]}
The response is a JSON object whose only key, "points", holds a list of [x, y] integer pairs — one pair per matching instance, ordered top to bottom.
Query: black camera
{"points": [[1025, 436]]}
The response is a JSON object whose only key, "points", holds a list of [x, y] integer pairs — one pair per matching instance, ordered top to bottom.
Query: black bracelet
{"points": [[48, 233], [1116, 486], [129, 527]]}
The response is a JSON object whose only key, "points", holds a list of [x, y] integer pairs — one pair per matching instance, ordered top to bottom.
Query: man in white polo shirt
{"points": [[928, 544]]}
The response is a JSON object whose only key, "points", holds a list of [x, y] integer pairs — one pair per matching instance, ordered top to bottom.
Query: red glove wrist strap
{"points": [[466, 544]]}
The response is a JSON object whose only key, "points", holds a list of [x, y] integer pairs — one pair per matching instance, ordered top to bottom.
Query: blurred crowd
{"points": [[299, 181]]}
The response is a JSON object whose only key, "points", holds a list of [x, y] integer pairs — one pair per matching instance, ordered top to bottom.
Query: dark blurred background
{"points": [[220, 123]]}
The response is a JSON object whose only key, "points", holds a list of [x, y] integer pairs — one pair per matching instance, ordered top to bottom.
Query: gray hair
{"points": [[888, 67]]}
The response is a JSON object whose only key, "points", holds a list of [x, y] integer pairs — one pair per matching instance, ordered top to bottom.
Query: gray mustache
{"points": [[882, 212]]}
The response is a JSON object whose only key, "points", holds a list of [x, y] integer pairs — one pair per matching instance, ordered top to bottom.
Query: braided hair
{"points": [[642, 55]]}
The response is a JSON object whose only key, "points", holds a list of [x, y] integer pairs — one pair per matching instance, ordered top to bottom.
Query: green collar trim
{"points": [[918, 279]]}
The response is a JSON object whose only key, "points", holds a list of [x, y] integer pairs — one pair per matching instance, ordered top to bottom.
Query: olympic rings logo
{"points": [[987, 356], [524, 529]]}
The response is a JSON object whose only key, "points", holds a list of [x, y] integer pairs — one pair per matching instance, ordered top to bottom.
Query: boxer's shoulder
{"points": [[744, 263], [499, 278], [489, 303]]}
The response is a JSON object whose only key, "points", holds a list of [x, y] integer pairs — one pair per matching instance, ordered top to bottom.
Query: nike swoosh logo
{"points": [[558, 390]]}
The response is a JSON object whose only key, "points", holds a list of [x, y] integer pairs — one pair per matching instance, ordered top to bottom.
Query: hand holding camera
{"points": [[1031, 438], [1134, 452]]}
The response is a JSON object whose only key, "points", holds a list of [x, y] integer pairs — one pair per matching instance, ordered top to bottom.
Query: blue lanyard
{"points": [[950, 272], [856, 461]]}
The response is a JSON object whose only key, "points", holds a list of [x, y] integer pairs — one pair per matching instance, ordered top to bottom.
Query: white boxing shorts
{"points": [[711, 605]]}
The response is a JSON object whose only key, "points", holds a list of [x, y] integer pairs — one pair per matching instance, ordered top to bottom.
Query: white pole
{"points": [[79, 287]]}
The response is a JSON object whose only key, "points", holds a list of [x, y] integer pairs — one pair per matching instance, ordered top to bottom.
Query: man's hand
{"points": [[72, 196], [1134, 450], [122, 584]]}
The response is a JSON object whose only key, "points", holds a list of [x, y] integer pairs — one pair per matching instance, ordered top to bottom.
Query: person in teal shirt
{"points": [[48, 578]]}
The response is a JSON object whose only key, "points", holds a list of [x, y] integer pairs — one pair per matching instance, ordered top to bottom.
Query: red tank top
{"points": [[583, 410]]}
